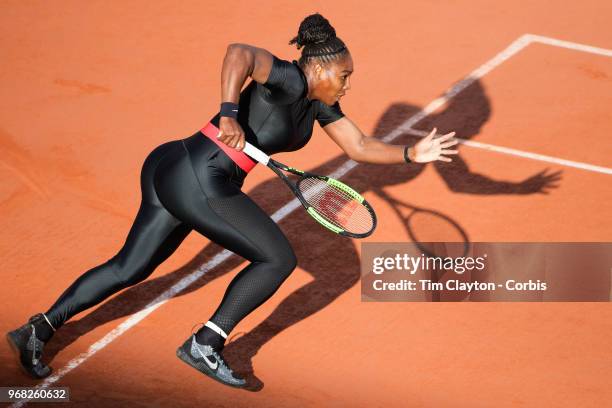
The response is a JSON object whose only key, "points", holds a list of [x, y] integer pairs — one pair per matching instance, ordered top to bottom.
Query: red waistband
{"points": [[240, 158]]}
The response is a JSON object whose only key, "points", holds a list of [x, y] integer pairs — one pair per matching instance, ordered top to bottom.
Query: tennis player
{"points": [[195, 184]]}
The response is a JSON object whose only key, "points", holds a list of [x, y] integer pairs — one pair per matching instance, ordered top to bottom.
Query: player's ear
{"points": [[318, 70]]}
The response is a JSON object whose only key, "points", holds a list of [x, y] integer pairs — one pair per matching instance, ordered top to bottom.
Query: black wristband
{"points": [[229, 109], [406, 158]]}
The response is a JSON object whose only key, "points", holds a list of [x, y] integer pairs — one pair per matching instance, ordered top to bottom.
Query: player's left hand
{"points": [[430, 149]]}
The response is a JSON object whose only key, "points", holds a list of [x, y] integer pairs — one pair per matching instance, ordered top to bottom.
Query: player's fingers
{"points": [[219, 134], [431, 134], [446, 137], [226, 138], [239, 140], [233, 141], [240, 143], [449, 143], [449, 151], [445, 159]]}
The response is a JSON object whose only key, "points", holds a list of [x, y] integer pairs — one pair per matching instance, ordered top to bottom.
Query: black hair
{"points": [[319, 40]]}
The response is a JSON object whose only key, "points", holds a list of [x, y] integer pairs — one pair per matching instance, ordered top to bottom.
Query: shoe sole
{"points": [[17, 353], [203, 368]]}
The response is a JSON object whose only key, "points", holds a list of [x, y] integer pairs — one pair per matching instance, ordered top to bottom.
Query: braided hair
{"points": [[319, 40]]}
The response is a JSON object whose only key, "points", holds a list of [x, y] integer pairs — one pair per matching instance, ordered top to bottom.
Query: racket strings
{"points": [[336, 205]]}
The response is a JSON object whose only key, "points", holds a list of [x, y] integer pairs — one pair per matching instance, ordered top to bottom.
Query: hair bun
{"points": [[314, 29]]}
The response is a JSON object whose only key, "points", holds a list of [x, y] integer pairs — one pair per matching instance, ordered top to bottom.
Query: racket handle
{"points": [[256, 154]]}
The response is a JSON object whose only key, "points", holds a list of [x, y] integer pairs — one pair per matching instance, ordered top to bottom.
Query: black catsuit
{"points": [[191, 184]]}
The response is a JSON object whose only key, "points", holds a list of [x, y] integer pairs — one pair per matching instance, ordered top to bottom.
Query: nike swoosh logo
{"points": [[234, 110], [208, 362]]}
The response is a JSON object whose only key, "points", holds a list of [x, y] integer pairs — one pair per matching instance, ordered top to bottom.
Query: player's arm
{"points": [[241, 61], [362, 148], [367, 149]]}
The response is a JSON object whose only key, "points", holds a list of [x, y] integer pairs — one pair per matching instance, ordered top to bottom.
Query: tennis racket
{"points": [[330, 202]]}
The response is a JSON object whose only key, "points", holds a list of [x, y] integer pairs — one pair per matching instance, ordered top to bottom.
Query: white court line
{"points": [[570, 45], [478, 73], [523, 154], [281, 213]]}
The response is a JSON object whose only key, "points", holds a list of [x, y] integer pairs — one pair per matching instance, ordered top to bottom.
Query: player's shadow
{"points": [[331, 259]]}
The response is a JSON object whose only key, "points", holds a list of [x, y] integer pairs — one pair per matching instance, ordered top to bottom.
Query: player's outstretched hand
{"points": [[430, 149]]}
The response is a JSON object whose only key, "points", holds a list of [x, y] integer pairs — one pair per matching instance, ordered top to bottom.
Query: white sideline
{"points": [[523, 154], [281, 213]]}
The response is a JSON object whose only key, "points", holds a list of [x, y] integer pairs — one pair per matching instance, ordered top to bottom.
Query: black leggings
{"points": [[190, 184]]}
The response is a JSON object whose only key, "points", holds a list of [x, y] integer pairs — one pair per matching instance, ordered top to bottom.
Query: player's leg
{"points": [[220, 211], [155, 234]]}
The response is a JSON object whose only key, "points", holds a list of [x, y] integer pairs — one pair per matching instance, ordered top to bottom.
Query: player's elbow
{"points": [[234, 46], [237, 49], [240, 56], [357, 151], [359, 158]]}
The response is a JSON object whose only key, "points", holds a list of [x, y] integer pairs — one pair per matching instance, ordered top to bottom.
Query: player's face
{"points": [[334, 80]]}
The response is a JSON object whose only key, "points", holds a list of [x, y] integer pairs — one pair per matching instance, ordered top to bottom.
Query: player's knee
{"points": [[291, 261], [286, 262], [129, 273]]}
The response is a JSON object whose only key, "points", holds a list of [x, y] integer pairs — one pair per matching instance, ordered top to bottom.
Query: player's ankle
{"points": [[207, 336]]}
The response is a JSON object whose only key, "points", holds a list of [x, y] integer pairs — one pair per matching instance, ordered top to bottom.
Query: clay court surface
{"points": [[90, 88]]}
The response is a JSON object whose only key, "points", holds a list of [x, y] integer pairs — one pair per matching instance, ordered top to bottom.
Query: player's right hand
{"points": [[231, 133]]}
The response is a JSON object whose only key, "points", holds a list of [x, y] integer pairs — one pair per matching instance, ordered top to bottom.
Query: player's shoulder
{"points": [[284, 70], [286, 81], [323, 107], [326, 114]]}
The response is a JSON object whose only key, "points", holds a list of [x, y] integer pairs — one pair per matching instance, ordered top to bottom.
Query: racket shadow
{"points": [[448, 230]]}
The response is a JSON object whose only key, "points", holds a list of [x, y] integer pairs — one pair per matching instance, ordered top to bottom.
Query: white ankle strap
{"points": [[216, 329]]}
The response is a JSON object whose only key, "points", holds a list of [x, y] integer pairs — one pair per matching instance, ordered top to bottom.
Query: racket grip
{"points": [[255, 153]]}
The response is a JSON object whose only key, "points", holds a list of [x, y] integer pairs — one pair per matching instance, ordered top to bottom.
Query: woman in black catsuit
{"points": [[195, 184]]}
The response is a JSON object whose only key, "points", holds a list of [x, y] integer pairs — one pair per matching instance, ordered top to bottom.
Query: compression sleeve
{"points": [[284, 84], [327, 114]]}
